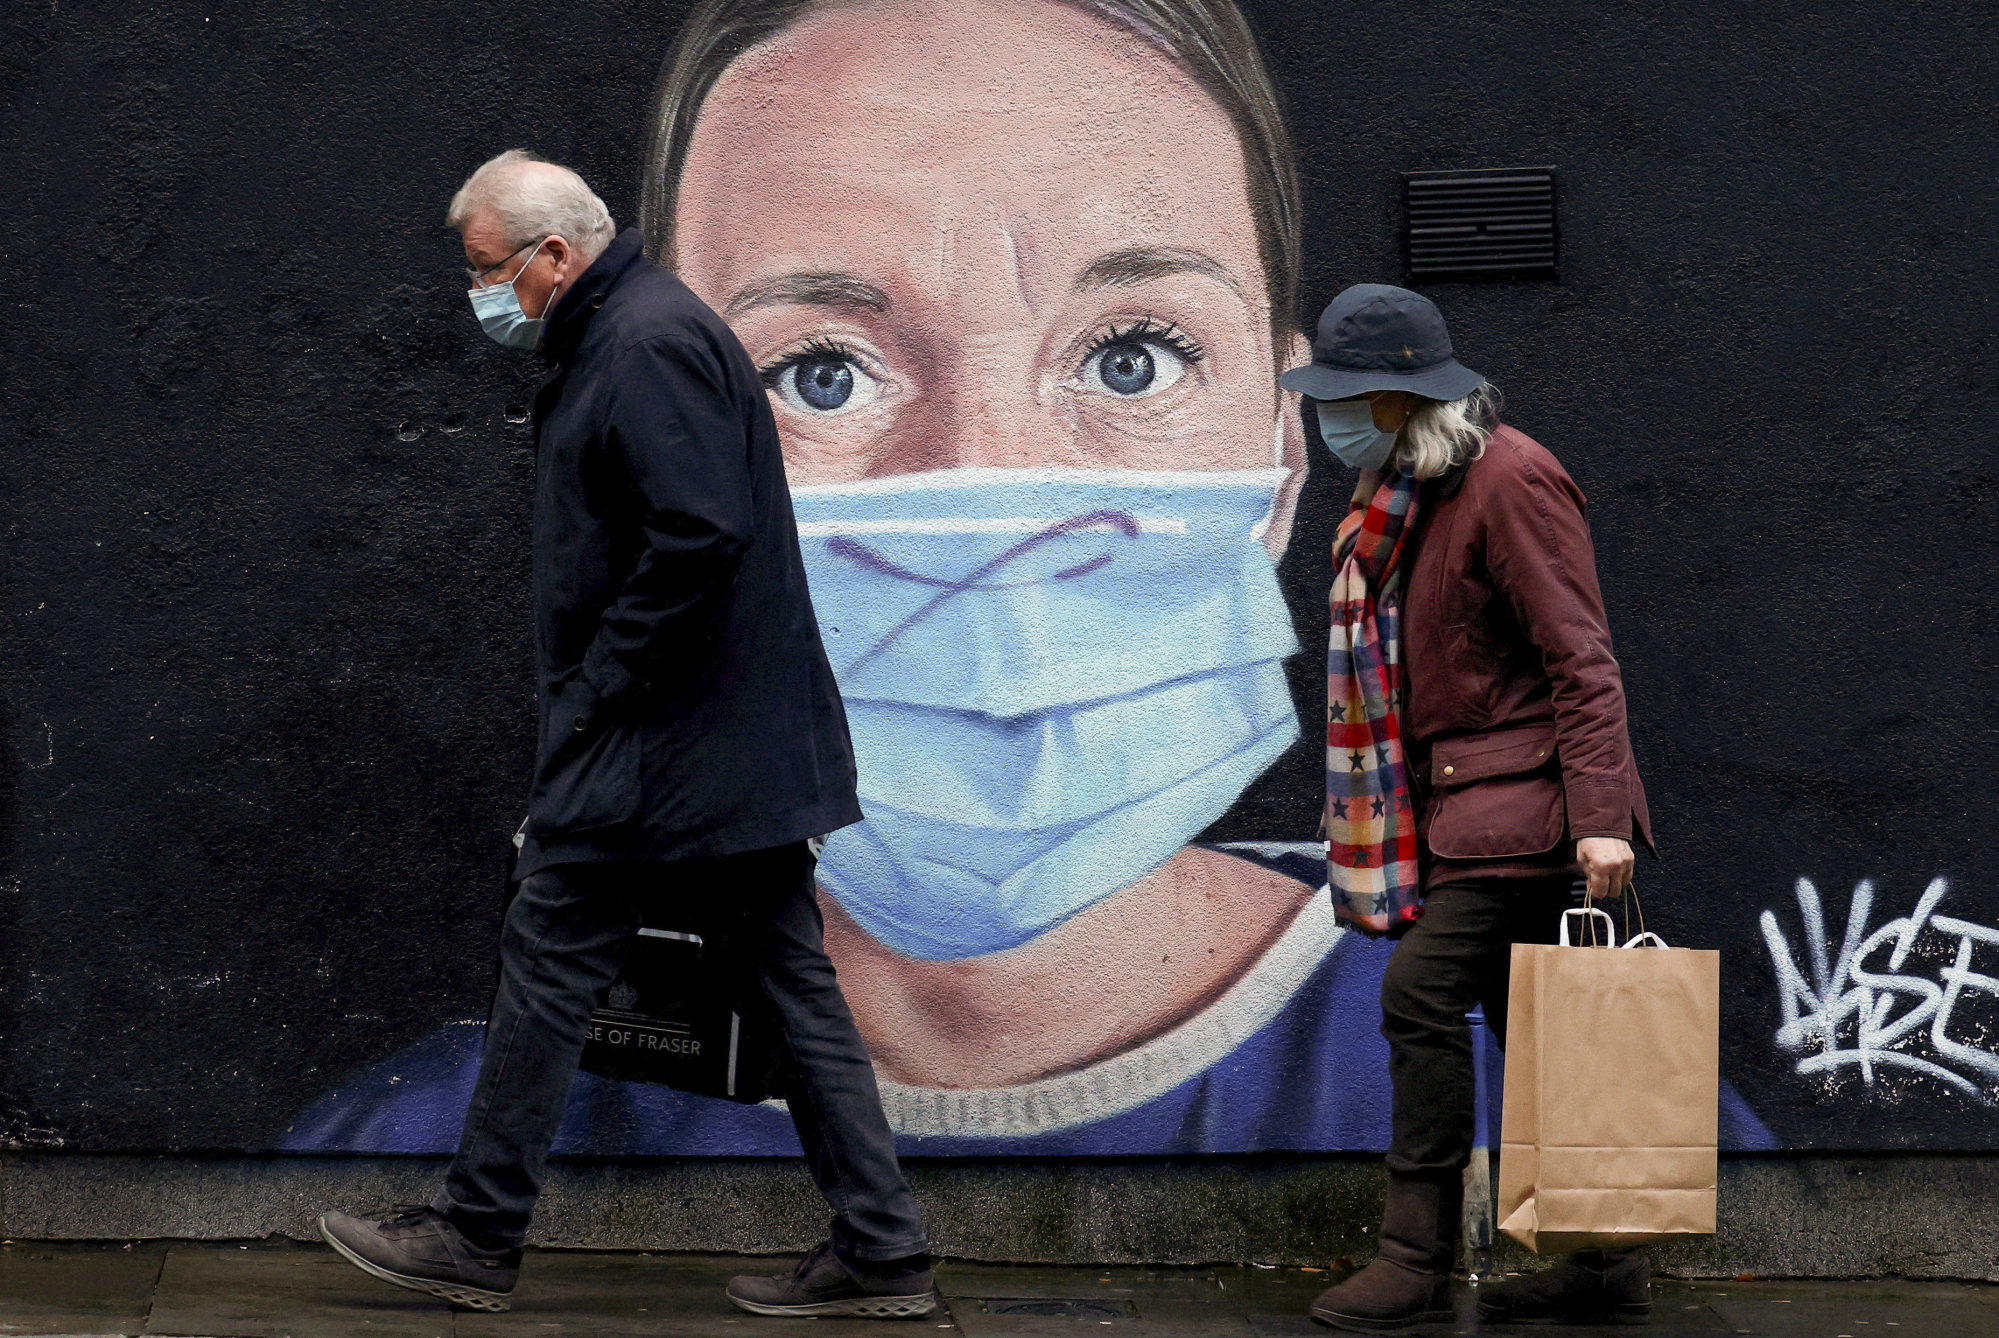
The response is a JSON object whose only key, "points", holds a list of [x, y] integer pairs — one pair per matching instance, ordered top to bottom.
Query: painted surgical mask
{"points": [[1054, 678]]}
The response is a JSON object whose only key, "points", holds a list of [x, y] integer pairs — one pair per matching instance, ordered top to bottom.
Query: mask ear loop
{"points": [[554, 293], [1262, 527]]}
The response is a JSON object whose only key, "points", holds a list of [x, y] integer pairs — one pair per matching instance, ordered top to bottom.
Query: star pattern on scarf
{"points": [[1358, 761], [1377, 807], [1339, 808]]}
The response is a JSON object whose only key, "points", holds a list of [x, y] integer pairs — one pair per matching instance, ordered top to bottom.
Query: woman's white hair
{"points": [[535, 199], [1443, 434]]}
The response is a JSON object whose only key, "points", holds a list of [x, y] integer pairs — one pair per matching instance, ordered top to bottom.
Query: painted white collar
{"points": [[1127, 1081]]}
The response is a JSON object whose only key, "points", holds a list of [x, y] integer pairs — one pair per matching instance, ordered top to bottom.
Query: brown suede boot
{"points": [[1409, 1281], [1588, 1287]]}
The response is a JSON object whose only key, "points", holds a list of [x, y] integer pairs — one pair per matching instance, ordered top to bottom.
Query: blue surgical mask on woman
{"points": [[498, 308], [1349, 432], [1054, 678]]}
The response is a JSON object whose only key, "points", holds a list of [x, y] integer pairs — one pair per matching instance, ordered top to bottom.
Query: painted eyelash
{"points": [[1149, 330], [819, 346]]}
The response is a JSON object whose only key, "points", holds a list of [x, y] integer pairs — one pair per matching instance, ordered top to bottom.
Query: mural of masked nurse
{"points": [[1021, 275]]}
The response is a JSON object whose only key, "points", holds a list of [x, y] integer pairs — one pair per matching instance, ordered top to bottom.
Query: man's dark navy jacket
{"points": [[687, 708]]}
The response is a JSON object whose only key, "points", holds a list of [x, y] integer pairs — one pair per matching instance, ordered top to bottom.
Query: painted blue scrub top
{"points": [[1289, 1059]]}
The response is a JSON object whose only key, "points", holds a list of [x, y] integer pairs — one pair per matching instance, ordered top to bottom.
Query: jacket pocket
{"points": [[587, 778], [1496, 795]]}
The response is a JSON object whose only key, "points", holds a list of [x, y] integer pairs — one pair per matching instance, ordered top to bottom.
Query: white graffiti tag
{"points": [[1862, 1011]]}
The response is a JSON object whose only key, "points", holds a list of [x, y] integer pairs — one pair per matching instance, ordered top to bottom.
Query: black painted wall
{"points": [[263, 646]]}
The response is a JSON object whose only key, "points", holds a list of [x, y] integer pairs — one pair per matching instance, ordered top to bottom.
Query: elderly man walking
{"points": [[691, 744]]}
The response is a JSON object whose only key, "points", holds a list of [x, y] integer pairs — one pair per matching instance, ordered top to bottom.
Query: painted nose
{"points": [[990, 419]]}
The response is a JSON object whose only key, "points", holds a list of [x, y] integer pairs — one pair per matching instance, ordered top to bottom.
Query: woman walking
{"points": [[1477, 762]]}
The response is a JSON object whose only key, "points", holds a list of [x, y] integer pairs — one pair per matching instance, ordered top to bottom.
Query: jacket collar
{"points": [[588, 294]]}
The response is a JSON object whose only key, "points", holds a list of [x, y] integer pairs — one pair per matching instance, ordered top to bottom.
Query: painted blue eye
{"points": [[1130, 367], [1126, 369], [823, 383]]}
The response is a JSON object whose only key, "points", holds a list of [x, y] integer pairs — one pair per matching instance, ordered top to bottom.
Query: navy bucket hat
{"points": [[1377, 337]]}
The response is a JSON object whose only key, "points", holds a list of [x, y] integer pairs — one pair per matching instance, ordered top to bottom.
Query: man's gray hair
{"points": [[535, 199]]}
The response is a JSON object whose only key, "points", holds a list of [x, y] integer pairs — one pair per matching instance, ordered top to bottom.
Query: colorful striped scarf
{"points": [[1370, 823]]}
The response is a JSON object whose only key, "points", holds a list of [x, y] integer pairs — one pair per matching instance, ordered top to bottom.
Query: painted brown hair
{"points": [[1208, 39]]}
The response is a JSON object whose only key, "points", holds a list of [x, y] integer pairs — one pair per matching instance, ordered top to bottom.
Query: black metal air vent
{"points": [[1492, 223]]}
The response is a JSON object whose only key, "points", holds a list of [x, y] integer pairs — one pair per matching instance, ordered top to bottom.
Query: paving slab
{"points": [[1029, 1282], [94, 1289], [1276, 1291], [284, 1292], [1000, 1301], [1682, 1308], [1852, 1309], [1080, 1317], [1284, 1326]]}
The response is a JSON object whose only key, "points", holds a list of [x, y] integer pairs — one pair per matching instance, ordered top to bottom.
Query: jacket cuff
{"points": [[1599, 806]]}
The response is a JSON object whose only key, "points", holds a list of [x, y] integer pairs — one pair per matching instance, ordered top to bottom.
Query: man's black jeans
{"points": [[566, 935], [1456, 957]]}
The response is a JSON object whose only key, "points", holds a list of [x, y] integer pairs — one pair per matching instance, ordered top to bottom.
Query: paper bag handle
{"points": [[1609, 925], [1641, 939]]}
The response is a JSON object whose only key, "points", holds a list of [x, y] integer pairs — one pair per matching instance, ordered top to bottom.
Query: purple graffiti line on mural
{"points": [[857, 552], [1847, 1013]]}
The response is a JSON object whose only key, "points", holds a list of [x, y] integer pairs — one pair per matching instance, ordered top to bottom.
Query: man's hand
{"points": [[1608, 864]]}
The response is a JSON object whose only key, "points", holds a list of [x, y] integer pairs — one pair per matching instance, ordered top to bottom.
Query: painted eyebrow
{"points": [[1136, 264], [827, 289]]}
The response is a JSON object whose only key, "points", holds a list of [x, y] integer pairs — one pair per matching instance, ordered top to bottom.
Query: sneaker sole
{"points": [[472, 1298], [858, 1307], [1333, 1319]]}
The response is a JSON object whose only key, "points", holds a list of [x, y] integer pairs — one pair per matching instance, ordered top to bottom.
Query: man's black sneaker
{"points": [[418, 1248], [825, 1284], [1588, 1287]]}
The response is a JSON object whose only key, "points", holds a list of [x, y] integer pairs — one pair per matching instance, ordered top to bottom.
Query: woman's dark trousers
{"points": [[564, 939], [1455, 958]]}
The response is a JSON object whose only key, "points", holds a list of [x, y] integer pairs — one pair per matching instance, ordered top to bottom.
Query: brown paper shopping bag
{"points": [[1612, 1073]]}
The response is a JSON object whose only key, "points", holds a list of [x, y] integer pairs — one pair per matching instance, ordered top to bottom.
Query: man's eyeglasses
{"points": [[478, 276]]}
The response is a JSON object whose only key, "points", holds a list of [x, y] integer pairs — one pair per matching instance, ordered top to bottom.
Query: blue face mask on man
{"points": [[498, 308], [1349, 432], [1054, 678]]}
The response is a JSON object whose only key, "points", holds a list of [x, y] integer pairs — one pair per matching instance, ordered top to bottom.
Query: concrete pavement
{"points": [[291, 1290]]}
